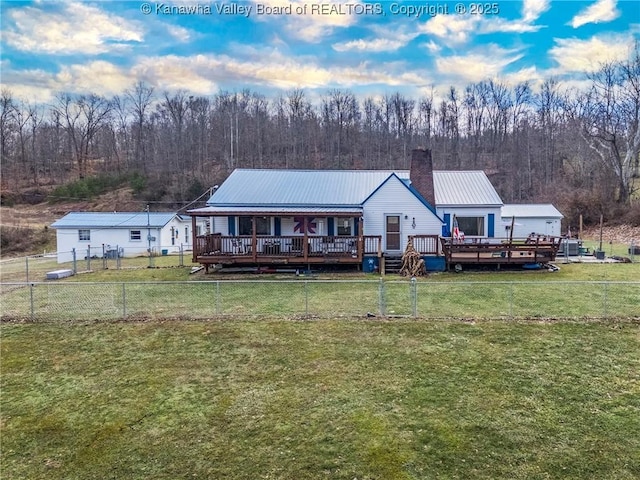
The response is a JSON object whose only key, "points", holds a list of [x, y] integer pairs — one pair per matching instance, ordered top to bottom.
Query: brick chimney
{"points": [[421, 174]]}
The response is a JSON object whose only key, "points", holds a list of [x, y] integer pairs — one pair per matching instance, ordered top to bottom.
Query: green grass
{"points": [[339, 399]]}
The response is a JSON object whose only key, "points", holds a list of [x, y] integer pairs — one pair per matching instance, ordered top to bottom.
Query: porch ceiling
{"points": [[277, 211]]}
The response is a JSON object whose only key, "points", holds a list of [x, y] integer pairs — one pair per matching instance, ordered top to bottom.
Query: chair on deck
{"points": [[237, 246]]}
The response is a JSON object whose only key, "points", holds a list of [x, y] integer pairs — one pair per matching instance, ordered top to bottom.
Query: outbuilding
{"points": [[527, 218], [124, 234]]}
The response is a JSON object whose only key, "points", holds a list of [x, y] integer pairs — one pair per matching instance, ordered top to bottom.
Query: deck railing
{"points": [[425, 244], [216, 245]]}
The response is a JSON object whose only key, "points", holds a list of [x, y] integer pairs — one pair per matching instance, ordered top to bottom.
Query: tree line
{"points": [[550, 143]]}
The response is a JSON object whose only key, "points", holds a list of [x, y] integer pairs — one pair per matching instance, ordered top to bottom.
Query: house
{"points": [[340, 216], [543, 219], [129, 234]]}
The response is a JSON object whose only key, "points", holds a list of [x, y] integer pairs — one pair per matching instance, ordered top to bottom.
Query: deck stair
{"points": [[392, 263]]}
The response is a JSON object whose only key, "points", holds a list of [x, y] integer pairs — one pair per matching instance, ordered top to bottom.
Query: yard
{"points": [[339, 399]]}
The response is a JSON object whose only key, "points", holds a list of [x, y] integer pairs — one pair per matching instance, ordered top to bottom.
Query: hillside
{"points": [[25, 227]]}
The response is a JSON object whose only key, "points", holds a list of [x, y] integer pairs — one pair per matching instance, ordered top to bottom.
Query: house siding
{"points": [[393, 197], [525, 226], [67, 240]]}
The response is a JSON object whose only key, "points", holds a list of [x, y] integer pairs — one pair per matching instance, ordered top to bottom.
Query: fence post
{"points": [[181, 255], [88, 258], [104, 258], [26, 259], [75, 260], [118, 264], [414, 296], [306, 299], [381, 299], [605, 299], [31, 302], [124, 302]]}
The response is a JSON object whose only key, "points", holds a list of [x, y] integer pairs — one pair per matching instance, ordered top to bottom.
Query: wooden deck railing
{"points": [[426, 244], [293, 246]]}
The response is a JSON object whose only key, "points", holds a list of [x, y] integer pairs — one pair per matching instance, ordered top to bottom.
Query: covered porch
{"points": [[302, 237]]}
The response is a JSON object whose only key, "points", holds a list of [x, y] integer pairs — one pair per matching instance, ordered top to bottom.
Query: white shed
{"points": [[540, 218], [125, 234]]}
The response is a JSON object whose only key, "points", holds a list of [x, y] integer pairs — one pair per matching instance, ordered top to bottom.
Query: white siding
{"points": [[395, 198], [525, 226], [119, 238]]}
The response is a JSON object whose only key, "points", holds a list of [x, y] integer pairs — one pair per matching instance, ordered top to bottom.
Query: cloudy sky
{"points": [[273, 46]]}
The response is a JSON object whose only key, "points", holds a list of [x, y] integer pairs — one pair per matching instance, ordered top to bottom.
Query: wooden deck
{"points": [[284, 250], [495, 251]]}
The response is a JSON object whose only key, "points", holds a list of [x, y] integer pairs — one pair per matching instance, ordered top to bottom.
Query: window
{"points": [[263, 226], [344, 226], [471, 226], [84, 235], [135, 235]]}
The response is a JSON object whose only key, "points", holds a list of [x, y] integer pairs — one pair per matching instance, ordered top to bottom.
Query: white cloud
{"points": [[532, 9], [600, 11], [72, 28], [452, 29], [459, 29], [181, 34], [385, 40], [575, 55], [477, 66]]}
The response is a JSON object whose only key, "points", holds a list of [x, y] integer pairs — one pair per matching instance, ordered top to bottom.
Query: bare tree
{"points": [[83, 116], [609, 118]]}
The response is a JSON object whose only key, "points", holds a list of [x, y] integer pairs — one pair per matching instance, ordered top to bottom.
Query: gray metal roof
{"points": [[297, 187], [346, 188], [468, 188], [531, 210], [113, 220]]}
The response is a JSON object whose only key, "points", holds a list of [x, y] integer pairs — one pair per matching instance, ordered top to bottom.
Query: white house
{"points": [[341, 216], [542, 219], [121, 234]]}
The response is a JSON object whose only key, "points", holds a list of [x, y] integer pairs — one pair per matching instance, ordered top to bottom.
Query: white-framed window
{"points": [[343, 226], [471, 226], [84, 235], [135, 235]]}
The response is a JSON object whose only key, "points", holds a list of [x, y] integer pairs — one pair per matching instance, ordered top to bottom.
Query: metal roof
{"points": [[297, 187], [346, 188], [468, 188], [531, 210], [114, 220]]}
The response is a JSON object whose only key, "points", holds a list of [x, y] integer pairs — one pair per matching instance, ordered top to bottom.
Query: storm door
{"points": [[392, 233]]}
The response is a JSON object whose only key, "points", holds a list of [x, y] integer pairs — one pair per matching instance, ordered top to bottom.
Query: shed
{"points": [[528, 218], [129, 234]]}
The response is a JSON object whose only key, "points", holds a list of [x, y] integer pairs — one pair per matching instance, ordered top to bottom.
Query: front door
{"points": [[392, 233]]}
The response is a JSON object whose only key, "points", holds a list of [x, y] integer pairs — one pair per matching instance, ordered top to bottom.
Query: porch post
{"points": [[193, 239], [254, 240], [360, 240], [305, 241]]}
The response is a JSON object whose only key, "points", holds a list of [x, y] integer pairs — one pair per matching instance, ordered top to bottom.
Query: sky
{"points": [[275, 46]]}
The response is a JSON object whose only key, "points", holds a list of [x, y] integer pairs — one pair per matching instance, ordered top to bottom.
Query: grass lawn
{"points": [[339, 399]]}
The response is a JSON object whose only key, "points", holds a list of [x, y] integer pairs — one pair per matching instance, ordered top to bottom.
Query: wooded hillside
{"points": [[578, 147]]}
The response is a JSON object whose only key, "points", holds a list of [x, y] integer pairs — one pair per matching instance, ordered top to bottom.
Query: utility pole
{"points": [[149, 234]]}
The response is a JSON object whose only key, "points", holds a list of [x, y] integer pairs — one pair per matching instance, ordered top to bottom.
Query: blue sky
{"points": [[370, 48]]}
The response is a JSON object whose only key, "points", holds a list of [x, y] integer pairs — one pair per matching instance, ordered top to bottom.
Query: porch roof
{"points": [[349, 211]]}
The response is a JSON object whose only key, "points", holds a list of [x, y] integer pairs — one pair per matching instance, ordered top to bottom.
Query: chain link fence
{"points": [[93, 258], [72, 301]]}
